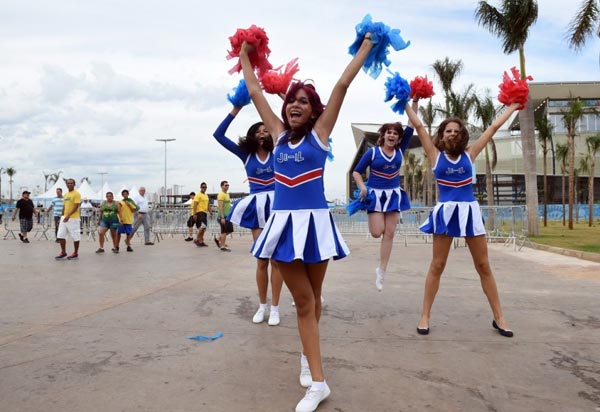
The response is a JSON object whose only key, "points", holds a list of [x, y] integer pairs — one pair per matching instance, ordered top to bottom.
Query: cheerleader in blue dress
{"points": [[255, 151], [384, 196], [457, 213], [300, 235]]}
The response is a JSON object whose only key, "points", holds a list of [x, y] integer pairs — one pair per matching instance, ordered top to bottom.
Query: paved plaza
{"points": [[109, 332]]}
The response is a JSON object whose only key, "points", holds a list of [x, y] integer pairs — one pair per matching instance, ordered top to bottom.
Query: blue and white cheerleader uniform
{"points": [[384, 178], [252, 211], [457, 213], [300, 225]]}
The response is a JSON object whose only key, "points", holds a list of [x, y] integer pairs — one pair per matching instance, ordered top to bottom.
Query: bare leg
{"points": [[390, 223], [376, 224], [101, 233], [76, 246], [441, 248], [479, 251], [262, 272], [305, 282], [276, 284]]}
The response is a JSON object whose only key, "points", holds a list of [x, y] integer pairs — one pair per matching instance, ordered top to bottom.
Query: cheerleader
{"points": [[255, 151], [384, 198], [457, 213], [300, 236]]}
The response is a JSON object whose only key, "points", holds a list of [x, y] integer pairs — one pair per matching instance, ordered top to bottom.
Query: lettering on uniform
{"points": [[284, 157]]}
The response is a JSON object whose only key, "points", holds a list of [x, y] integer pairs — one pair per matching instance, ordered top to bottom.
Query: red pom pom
{"points": [[257, 37], [277, 82], [421, 88], [514, 90]]}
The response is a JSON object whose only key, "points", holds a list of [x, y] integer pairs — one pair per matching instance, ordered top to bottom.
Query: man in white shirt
{"points": [[86, 210], [142, 215]]}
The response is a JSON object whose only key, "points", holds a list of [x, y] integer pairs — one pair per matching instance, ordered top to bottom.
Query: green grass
{"points": [[582, 237]]}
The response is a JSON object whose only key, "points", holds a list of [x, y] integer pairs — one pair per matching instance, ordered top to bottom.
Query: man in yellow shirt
{"points": [[224, 205], [125, 209], [200, 211], [190, 222], [69, 225]]}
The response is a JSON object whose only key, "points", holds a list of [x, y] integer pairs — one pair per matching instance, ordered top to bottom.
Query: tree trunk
{"points": [[571, 139], [529, 168], [489, 189], [591, 191], [545, 192], [564, 215]]}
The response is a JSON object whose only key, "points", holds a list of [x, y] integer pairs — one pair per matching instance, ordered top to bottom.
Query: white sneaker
{"points": [[379, 279], [259, 316], [274, 318], [305, 376], [312, 399]]}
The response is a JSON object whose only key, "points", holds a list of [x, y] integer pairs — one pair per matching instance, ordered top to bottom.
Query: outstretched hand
{"points": [[247, 48]]}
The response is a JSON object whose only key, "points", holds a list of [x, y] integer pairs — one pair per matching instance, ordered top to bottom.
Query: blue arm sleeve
{"points": [[219, 134], [408, 134], [365, 161]]}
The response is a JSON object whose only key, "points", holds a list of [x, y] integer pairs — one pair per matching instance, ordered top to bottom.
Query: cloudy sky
{"points": [[87, 86]]}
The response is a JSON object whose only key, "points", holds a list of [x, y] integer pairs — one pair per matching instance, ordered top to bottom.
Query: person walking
{"points": [[56, 207], [223, 208], [26, 209], [125, 209], [200, 212], [142, 217], [108, 221], [191, 222], [70, 226]]}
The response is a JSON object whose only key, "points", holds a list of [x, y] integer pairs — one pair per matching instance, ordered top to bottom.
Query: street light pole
{"points": [[102, 184], [165, 187]]}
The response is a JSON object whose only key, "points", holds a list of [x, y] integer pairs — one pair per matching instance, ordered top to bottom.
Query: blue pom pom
{"points": [[382, 37], [397, 87], [241, 96], [330, 153], [357, 204]]}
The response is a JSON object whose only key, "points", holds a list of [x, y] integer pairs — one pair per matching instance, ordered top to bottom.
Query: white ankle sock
{"points": [[263, 306], [274, 308], [303, 358], [318, 385]]}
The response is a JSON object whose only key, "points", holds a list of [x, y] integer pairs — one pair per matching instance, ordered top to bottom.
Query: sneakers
{"points": [[189, 239], [25, 240], [149, 244], [201, 244], [129, 249], [225, 249], [100, 250], [115, 250], [60, 256], [73, 256], [379, 279], [259, 316], [274, 318], [305, 376], [313, 398]]}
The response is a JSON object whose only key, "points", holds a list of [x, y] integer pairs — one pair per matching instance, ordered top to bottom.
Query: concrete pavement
{"points": [[108, 332]]}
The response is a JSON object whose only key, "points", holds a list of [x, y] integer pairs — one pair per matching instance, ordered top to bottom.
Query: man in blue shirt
{"points": [[57, 209]]}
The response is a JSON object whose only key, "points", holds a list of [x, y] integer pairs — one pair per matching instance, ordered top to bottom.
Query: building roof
{"points": [[540, 93]]}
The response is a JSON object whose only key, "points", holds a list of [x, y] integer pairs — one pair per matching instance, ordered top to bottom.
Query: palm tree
{"points": [[511, 24], [584, 24], [447, 71], [463, 103], [428, 115], [570, 117], [545, 127], [593, 146], [562, 154], [411, 165], [2, 171], [11, 171], [46, 176], [53, 178], [85, 179]]}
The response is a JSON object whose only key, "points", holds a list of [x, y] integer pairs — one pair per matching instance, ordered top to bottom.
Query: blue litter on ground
{"points": [[206, 338]]}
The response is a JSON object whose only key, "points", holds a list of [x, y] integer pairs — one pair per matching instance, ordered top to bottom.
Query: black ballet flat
{"points": [[423, 331], [504, 332]]}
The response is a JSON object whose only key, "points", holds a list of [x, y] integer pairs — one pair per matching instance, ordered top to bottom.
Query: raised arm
{"points": [[269, 118], [327, 120], [489, 133], [424, 137], [227, 143]]}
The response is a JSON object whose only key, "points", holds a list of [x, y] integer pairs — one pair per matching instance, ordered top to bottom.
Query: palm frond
{"points": [[584, 24]]}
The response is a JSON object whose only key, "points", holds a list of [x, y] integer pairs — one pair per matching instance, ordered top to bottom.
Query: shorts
{"points": [[201, 220], [190, 221], [26, 225], [109, 225], [226, 227], [70, 229], [125, 229]]}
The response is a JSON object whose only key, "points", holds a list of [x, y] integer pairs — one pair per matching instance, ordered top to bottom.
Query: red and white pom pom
{"points": [[257, 37], [276, 81], [421, 87], [515, 90]]}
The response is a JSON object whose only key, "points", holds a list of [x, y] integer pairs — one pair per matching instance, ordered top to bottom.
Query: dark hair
{"points": [[317, 109], [397, 126], [439, 134], [250, 144], [67, 181], [223, 182], [203, 184], [58, 188], [124, 191], [109, 193], [192, 194]]}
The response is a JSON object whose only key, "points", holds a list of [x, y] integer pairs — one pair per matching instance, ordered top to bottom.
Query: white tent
{"points": [[86, 191], [51, 193], [102, 193]]}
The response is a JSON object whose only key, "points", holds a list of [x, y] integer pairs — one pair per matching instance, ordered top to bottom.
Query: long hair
{"points": [[317, 109], [397, 126], [439, 134], [249, 143]]}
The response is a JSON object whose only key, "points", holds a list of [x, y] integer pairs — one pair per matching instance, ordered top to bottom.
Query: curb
{"points": [[594, 257]]}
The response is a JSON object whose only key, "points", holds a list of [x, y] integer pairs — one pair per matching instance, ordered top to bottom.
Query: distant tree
{"points": [[511, 23], [447, 71], [428, 115], [570, 117], [545, 127], [593, 146], [562, 154], [2, 171], [11, 171], [53, 178], [85, 179]]}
